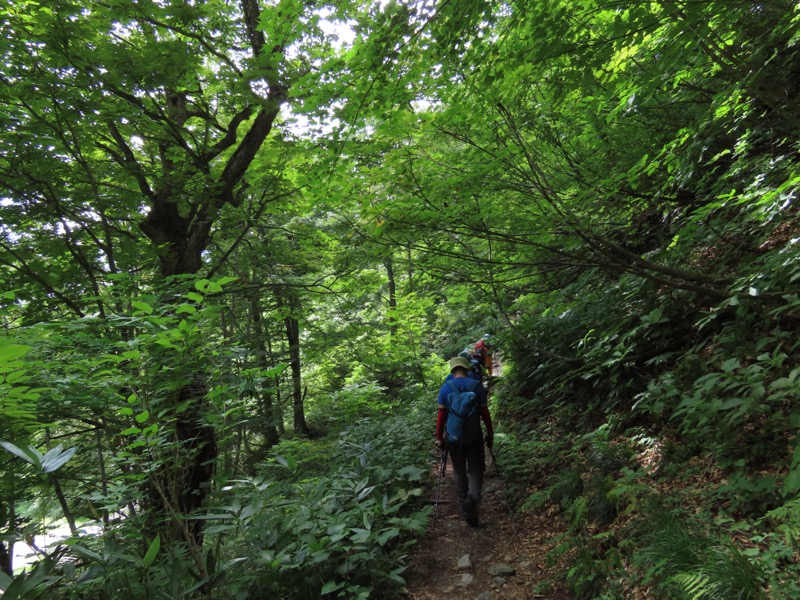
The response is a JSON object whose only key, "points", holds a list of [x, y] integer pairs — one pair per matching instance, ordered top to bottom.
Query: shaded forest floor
{"points": [[506, 553]]}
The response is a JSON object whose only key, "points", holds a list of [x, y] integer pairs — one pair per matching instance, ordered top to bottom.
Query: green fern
{"points": [[565, 487], [600, 501], [787, 517], [670, 548], [699, 569], [696, 586]]}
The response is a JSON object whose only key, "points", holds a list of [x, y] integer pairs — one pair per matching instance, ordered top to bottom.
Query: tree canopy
{"points": [[240, 238]]}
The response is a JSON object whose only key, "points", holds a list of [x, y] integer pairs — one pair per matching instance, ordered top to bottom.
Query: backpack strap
{"points": [[472, 385], [453, 386]]}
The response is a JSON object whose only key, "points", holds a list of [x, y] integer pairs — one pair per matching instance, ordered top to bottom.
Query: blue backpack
{"points": [[463, 423]]}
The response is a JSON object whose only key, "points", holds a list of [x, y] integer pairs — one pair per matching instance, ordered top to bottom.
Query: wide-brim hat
{"points": [[458, 361]]}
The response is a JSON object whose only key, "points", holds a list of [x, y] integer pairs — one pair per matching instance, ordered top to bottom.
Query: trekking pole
{"points": [[439, 485], [505, 492]]}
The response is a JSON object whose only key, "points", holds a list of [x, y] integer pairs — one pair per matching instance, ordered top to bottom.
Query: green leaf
{"points": [[142, 306], [185, 308], [11, 352], [276, 370], [17, 377], [731, 403], [142, 416], [150, 430], [52, 453], [29, 455], [290, 462], [52, 463], [411, 472], [792, 482], [365, 492], [388, 534], [152, 551], [86, 552], [5, 581], [331, 586]]}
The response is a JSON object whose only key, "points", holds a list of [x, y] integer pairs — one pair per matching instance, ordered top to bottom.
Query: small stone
{"points": [[487, 558], [464, 564], [524, 564], [501, 569], [466, 579], [498, 582], [484, 596]]}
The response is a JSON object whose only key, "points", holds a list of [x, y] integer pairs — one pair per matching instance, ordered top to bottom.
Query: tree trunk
{"points": [[181, 243], [410, 283], [392, 297], [293, 337], [260, 346], [278, 398], [98, 438], [198, 454], [62, 499], [7, 552], [5, 560]]}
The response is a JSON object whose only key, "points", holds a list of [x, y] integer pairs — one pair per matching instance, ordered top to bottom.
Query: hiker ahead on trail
{"points": [[483, 352], [476, 369], [462, 405]]}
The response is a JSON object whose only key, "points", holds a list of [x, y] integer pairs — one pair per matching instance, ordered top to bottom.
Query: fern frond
{"points": [[696, 585]]}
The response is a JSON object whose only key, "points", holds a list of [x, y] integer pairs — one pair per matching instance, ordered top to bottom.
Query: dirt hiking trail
{"points": [[504, 558]]}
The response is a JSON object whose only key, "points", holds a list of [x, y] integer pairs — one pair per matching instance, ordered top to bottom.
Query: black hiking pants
{"points": [[469, 463]]}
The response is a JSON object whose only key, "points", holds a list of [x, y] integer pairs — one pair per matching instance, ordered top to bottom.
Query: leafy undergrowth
{"points": [[663, 428], [332, 517], [646, 521], [342, 534]]}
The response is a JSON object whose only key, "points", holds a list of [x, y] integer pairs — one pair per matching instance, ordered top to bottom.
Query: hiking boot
{"points": [[470, 507]]}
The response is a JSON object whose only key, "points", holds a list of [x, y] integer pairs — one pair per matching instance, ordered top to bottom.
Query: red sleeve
{"points": [[487, 419], [440, 420]]}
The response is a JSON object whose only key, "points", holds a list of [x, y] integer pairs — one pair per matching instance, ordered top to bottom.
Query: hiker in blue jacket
{"points": [[468, 458]]}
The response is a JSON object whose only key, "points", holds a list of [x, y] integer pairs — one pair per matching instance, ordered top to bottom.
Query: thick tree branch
{"points": [[230, 134], [127, 159]]}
